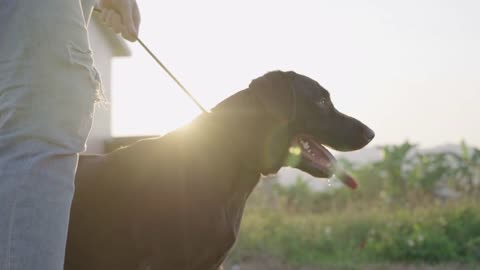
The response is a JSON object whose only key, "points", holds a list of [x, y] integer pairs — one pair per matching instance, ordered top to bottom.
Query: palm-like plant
{"points": [[394, 165], [428, 169], [467, 169]]}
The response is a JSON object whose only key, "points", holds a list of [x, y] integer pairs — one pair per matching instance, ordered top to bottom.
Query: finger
{"points": [[104, 4], [126, 11], [103, 15], [107, 17], [136, 17], [112, 19], [115, 22], [126, 34]]}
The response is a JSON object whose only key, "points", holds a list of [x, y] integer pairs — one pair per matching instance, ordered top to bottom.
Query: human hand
{"points": [[123, 16]]}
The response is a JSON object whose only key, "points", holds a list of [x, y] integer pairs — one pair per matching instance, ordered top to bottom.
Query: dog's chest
{"points": [[204, 219], [213, 226], [212, 239]]}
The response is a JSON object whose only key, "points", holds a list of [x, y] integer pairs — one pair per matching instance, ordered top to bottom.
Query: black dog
{"points": [[176, 202]]}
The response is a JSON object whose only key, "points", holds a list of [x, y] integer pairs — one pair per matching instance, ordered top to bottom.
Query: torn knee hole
{"points": [[84, 58]]}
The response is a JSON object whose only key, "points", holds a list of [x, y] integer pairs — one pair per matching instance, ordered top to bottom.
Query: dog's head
{"points": [[311, 119]]}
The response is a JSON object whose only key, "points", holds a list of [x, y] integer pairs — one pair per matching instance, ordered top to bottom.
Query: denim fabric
{"points": [[48, 85]]}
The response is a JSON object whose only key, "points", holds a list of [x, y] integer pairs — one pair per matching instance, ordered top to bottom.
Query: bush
{"points": [[432, 235]]}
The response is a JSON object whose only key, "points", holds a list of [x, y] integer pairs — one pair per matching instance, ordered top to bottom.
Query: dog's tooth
{"points": [[305, 145]]}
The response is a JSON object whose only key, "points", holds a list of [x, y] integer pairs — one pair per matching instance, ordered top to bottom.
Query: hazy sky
{"points": [[409, 69]]}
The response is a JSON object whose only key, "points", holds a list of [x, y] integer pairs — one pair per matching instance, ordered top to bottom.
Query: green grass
{"points": [[363, 234]]}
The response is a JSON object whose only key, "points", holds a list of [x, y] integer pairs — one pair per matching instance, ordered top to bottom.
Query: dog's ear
{"points": [[274, 90]]}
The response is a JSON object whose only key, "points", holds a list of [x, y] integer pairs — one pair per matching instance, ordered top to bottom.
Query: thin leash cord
{"points": [[167, 71]]}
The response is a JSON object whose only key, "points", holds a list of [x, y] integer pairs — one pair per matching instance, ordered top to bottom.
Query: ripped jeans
{"points": [[48, 86]]}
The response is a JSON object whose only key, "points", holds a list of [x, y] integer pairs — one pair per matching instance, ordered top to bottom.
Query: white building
{"points": [[105, 45]]}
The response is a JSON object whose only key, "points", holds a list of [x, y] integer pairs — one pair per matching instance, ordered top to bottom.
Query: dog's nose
{"points": [[368, 134]]}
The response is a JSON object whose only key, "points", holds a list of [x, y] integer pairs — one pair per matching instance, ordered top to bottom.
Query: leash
{"points": [[166, 70]]}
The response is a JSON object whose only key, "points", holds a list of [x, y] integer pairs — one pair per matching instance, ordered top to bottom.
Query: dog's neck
{"points": [[259, 139]]}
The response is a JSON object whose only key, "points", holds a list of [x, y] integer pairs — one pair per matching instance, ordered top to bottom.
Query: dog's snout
{"points": [[368, 134]]}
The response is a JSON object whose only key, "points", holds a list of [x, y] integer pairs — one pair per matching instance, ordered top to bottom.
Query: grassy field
{"points": [[393, 222], [441, 233]]}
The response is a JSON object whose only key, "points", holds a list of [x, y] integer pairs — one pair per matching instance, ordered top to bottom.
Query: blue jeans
{"points": [[48, 86]]}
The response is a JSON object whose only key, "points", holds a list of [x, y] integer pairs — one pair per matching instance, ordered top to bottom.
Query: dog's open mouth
{"points": [[314, 155], [316, 160]]}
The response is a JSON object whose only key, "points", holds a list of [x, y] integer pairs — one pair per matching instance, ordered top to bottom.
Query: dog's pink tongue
{"points": [[347, 179]]}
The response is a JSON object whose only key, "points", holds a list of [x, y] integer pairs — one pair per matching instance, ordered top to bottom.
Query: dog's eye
{"points": [[322, 102]]}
